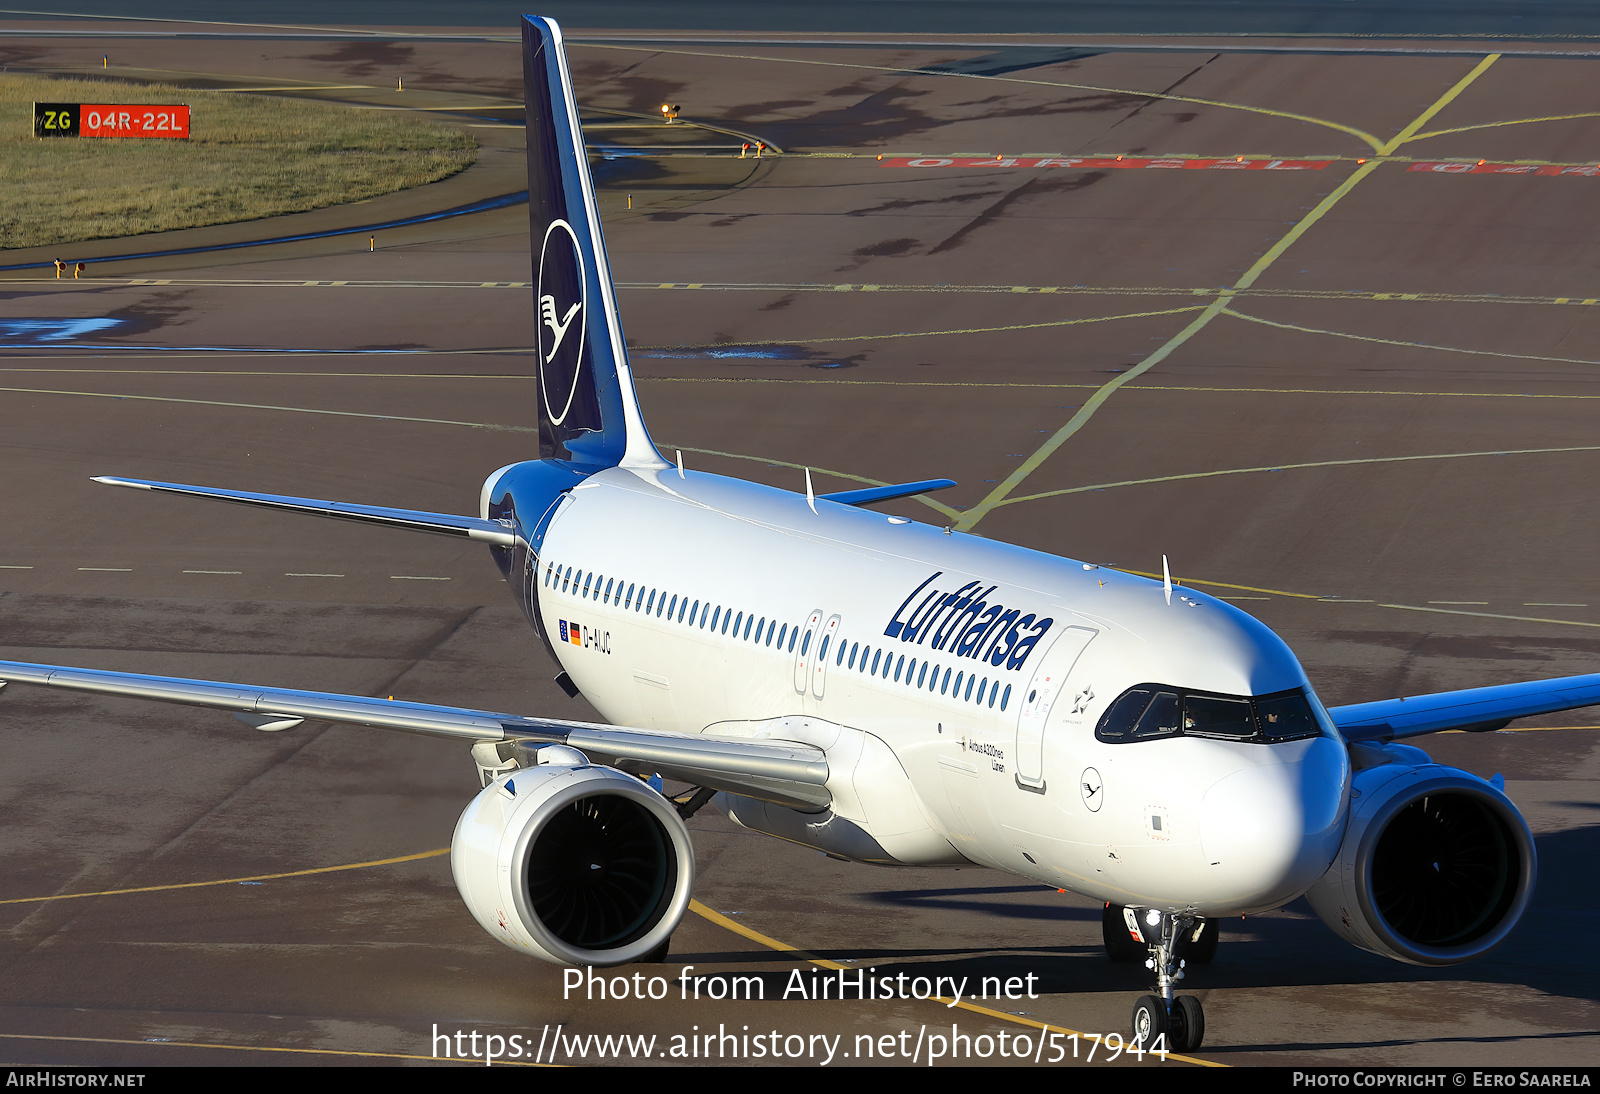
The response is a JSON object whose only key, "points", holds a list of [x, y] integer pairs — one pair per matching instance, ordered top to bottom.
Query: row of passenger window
{"points": [[664, 605], [967, 687]]}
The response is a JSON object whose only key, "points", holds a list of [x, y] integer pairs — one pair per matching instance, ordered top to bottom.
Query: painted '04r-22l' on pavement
{"points": [[891, 693]]}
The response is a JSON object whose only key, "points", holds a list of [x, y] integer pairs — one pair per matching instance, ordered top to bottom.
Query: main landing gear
{"points": [[1169, 941]]}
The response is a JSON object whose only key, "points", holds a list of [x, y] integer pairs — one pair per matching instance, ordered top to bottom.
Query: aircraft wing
{"points": [[872, 494], [489, 531], [1475, 709], [789, 774]]}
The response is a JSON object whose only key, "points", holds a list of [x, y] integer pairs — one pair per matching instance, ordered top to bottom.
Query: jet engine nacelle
{"points": [[574, 864], [1436, 867]]}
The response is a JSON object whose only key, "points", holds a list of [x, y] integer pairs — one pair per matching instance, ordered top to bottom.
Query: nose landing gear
{"points": [[1178, 1019]]}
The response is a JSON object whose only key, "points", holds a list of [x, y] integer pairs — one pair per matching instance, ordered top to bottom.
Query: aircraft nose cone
{"points": [[1270, 832]]}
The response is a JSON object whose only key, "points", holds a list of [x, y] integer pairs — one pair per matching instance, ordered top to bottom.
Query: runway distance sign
{"points": [[110, 120]]}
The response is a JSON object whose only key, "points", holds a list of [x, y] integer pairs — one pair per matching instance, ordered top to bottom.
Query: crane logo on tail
{"points": [[561, 300], [558, 327]]}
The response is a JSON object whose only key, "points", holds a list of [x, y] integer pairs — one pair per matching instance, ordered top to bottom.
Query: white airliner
{"points": [[891, 693]]}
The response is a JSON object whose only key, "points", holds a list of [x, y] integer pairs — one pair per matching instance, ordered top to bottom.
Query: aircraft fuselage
{"points": [[956, 684]]}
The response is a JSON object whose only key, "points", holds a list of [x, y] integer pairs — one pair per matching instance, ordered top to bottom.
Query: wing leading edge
{"points": [[1471, 709], [788, 774]]}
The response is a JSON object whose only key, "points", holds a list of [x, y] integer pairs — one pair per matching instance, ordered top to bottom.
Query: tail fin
{"points": [[588, 410]]}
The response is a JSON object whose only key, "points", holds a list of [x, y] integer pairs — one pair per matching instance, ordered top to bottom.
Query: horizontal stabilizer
{"points": [[872, 494], [489, 531], [1472, 709], [789, 774]]}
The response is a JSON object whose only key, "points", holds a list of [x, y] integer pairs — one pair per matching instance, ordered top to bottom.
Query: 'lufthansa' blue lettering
{"points": [[968, 623], [896, 625]]}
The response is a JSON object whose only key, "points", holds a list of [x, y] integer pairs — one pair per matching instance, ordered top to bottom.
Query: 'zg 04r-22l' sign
{"points": [[96, 120]]}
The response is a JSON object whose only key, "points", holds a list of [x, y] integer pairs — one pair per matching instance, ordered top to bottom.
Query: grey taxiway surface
{"points": [[1356, 398]]}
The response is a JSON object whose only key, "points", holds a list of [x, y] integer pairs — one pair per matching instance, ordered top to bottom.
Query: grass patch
{"points": [[247, 156]]}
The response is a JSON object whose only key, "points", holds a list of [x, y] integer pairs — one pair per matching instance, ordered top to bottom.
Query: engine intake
{"points": [[576, 865], [1436, 866]]}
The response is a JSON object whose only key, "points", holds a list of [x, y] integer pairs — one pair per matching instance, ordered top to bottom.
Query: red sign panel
{"points": [[141, 120], [1099, 163], [1588, 169]]}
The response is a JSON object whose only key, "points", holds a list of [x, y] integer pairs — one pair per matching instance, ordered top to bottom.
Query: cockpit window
{"points": [[1150, 711], [1123, 714], [1206, 717], [1286, 717], [1160, 718]]}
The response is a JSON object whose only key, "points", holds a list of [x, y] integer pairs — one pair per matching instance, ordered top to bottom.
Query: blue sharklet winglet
{"points": [[871, 494]]}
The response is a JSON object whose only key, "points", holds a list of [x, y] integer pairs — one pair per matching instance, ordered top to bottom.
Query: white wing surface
{"points": [[488, 531], [788, 774]]}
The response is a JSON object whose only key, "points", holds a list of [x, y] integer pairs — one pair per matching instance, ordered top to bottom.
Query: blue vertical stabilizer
{"points": [[588, 411]]}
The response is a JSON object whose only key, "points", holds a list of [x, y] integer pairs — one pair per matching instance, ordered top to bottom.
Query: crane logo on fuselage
{"points": [[966, 623]]}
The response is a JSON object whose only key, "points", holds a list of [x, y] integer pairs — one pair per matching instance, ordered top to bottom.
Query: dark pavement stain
{"points": [[368, 58], [1013, 59], [639, 94], [881, 116], [1031, 188], [896, 205], [887, 247], [162, 309]]}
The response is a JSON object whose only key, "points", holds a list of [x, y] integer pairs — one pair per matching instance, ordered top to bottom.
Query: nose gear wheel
{"points": [[1176, 1023]]}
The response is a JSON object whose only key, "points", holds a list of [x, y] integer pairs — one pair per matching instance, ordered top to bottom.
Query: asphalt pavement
{"points": [[1316, 325]]}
